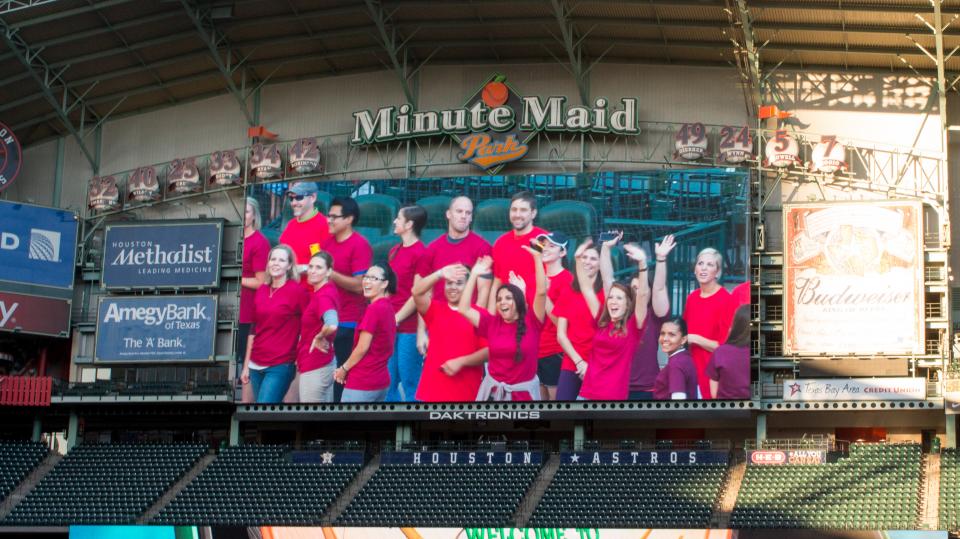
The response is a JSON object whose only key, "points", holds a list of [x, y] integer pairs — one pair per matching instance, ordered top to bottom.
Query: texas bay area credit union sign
{"points": [[495, 124]]}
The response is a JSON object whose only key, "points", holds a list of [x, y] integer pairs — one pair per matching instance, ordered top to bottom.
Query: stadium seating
{"points": [[436, 207], [378, 211], [492, 215], [576, 219], [381, 248], [17, 459], [105, 484], [250, 485], [876, 488], [949, 489], [440, 495], [641, 496]]}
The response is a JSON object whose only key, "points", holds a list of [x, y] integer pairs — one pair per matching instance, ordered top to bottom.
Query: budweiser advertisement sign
{"points": [[496, 122], [853, 269], [34, 314]]}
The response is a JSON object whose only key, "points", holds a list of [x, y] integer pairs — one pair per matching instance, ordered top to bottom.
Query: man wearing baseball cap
{"points": [[308, 229], [554, 246]]}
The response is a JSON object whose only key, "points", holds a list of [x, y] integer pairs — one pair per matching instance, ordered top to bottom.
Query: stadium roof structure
{"points": [[69, 65]]}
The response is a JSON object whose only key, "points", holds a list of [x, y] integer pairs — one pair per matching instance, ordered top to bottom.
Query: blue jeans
{"points": [[405, 366], [272, 383]]}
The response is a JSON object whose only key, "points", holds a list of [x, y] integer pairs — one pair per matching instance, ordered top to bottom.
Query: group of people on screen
{"points": [[459, 320]]}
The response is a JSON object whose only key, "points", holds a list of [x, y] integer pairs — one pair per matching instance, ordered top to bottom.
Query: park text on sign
{"points": [[494, 125], [855, 389]]}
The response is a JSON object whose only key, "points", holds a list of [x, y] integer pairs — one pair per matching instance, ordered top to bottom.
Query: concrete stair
{"points": [[29, 483], [177, 487], [930, 493], [533, 496], [728, 497], [340, 504]]}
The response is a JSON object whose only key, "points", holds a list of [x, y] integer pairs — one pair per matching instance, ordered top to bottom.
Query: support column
{"points": [[58, 174], [761, 428], [37, 429], [73, 429], [234, 431], [404, 434], [579, 435], [950, 441]]}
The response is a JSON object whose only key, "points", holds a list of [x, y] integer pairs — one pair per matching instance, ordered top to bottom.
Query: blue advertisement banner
{"points": [[38, 245], [170, 254], [156, 329], [326, 457], [461, 457], [645, 457]]}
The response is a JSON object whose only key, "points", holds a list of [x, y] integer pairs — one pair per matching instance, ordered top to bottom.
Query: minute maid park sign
{"points": [[487, 127]]}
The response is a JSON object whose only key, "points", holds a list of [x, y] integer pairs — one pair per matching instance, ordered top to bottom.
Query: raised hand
{"points": [[617, 236], [582, 247], [663, 248], [635, 253], [482, 265], [454, 272], [518, 281]]}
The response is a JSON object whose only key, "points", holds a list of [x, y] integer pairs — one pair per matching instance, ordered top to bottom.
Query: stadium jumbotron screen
{"points": [[605, 286]]}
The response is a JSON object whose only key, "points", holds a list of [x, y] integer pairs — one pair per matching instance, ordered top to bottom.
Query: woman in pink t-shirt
{"points": [[253, 273], [707, 313], [623, 322], [575, 326], [317, 327], [513, 333], [270, 361], [364, 375]]}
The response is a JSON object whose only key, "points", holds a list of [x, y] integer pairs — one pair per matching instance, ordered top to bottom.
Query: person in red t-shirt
{"points": [[307, 231], [459, 245], [554, 247], [508, 250], [352, 256], [253, 273], [741, 294], [708, 311], [317, 326], [576, 326], [513, 333], [270, 363], [406, 363], [452, 370], [364, 374]]}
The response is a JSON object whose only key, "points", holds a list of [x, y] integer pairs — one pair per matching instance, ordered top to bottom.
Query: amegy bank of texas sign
{"points": [[494, 125]]}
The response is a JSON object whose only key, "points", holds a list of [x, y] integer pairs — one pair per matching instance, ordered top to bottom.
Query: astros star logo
{"points": [[794, 389], [327, 457], [574, 458]]}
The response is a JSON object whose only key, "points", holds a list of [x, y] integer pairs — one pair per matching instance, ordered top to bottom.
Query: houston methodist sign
{"points": [[494, 125]]}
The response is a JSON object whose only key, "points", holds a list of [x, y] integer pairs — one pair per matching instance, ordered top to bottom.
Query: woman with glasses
{"points": [[512, 333], [269, 364], [364, 374]]}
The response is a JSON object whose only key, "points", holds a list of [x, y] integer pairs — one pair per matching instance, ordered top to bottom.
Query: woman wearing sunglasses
{"points": [[364, 375]]}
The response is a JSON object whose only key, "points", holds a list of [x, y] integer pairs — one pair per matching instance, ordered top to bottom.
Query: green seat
{"points": [[436, 207], [378, 211], [492, 215], [576, 219]]}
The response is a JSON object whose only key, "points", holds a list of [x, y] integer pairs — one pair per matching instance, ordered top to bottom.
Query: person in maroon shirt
{"points": [[459, 245], [508, 250], [352, 256], [253, 273], [270, 363], [406, 363], [729, 366], [364, 374], [678, 380]]}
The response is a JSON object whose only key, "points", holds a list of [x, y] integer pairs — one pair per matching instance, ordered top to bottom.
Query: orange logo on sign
{"points": [[480, 150]]}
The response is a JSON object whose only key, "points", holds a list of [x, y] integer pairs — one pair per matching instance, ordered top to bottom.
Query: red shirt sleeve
{"points": [[260, 255], [362, 256], [486, 319], [711, 369], [678, 383]]}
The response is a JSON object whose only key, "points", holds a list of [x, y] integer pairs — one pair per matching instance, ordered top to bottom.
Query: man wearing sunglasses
{"points": [[308, 229]]}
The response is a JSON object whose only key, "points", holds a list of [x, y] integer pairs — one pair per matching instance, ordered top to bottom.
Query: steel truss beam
{"points": [[10, 6], [213, 40], [573, 45], [396, 48], [747, 53], [51, 81]]}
